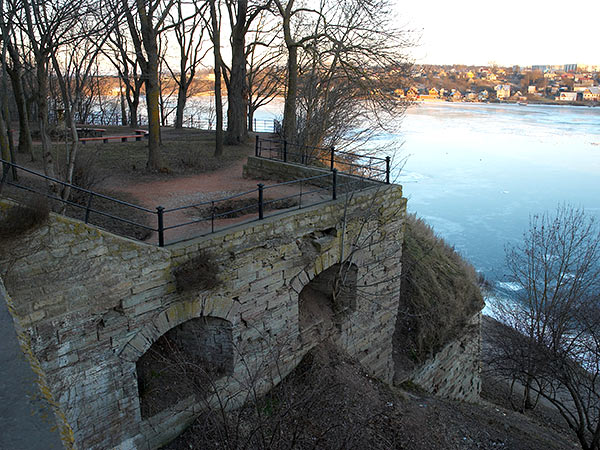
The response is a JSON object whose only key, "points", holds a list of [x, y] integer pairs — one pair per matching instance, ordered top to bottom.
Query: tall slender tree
{"points": [[145, 32]]}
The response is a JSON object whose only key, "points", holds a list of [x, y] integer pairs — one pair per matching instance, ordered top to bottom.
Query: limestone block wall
{"points": [[92, 303], [454, 372]]}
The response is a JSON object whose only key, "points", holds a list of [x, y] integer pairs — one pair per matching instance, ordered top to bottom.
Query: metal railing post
{"points": [[256, 147], [284, 150], [332, 156], [387, 170], [334, 181], [260, 201], [87, 208], [212, 216], [161, 226]]}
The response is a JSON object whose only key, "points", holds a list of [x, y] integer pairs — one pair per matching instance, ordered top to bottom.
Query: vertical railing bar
{"points": [[332, 157], [387, 170], [334, 175], [260, 201], [87, 208], [212, 214], [161, 226]]}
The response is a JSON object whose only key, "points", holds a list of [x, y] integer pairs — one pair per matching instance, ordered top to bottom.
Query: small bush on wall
{"points": [[20, 218], [199, 273]]}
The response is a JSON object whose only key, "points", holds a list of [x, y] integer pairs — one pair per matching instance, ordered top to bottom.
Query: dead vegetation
{"points": [[29, 214], [199, 273], [439, 293], [329, 402]]}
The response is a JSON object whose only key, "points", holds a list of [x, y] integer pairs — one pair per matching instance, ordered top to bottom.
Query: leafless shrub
{"points": [[86, 175], [23, 217], [200, 272], [549, 344], [328, 401]]}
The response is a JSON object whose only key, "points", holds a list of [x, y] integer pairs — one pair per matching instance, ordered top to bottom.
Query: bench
{"points": [[93, 132], [142, 132], [105, 139]]}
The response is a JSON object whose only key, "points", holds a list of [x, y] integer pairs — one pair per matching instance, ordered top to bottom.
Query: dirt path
{"points": [[195, 189]]}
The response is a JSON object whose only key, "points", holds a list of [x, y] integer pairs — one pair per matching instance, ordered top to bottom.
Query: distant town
{"points": [[564, 84]]}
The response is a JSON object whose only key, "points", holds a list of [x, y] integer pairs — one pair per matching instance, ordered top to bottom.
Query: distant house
{"points": [[531, 89], [502, 91], [412, 92], [434, 93], [592, 93], [456, 96], [471, 96], [483, 96], [567, 96]]}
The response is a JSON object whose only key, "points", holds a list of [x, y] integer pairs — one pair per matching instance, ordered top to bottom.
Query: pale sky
{"points": [[508, 32]]}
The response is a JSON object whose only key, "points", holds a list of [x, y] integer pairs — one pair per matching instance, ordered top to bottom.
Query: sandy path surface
{"points": [[194, 189]]}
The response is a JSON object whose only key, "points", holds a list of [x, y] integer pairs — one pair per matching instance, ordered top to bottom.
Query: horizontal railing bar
{"points": [[87, 191], [77, 205]]}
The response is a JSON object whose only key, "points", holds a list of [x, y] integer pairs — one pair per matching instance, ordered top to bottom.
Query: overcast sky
{"points": [[507, 32]]}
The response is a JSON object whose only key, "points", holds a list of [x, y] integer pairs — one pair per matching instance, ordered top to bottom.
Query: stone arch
{"points": [[326, 300], [171, 317], [184, 362]]}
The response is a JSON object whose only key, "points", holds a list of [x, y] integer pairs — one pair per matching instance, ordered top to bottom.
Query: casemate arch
{"points": [[104, 331]]}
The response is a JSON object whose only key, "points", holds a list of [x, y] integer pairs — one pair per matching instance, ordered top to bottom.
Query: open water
{"points": [[476, 172]]}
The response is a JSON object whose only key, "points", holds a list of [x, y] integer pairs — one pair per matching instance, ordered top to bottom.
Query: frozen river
{"points": [[476, 172]]}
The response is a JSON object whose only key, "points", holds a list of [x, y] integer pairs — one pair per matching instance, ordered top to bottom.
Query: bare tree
{"points": [[241, 15], [151, 16], [214, 30], [188, 31], [122, 57], [344, 60], [14, 68], [266, 71], [550, 342]]}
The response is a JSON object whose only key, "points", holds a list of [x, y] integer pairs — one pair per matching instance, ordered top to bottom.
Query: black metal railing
{"points": [[364, 166], [206, 217]]}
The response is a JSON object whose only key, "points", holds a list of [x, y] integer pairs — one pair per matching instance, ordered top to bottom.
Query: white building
{"points": [[502, 91]]}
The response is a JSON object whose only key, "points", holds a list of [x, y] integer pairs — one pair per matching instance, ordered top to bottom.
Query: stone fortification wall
{"points": [[92, 304], [454, 372]]}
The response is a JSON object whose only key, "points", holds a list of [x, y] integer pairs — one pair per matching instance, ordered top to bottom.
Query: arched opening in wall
{"points": [[326, 301], [187, 360]]}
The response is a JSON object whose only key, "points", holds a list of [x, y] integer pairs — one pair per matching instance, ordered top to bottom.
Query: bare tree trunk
{"points": [[216, 38], [15, 73], [237, 91], [181, 101], [152, 102], [42, 104], [123, 109], [289, 109], [250, 118], [4, 146]]}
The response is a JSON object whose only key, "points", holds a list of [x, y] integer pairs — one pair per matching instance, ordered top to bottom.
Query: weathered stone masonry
{"points": [[93, 303]]}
